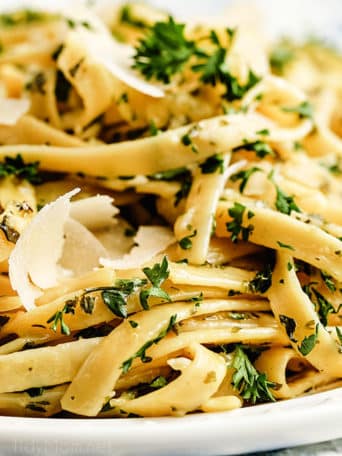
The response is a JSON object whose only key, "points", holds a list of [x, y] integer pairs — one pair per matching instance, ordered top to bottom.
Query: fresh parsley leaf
{"points": [[126, 16], [24, 17], [164, 51], [280, 57], [211, 65], [235, 90], [304, 109], [154, 130], [187, 141], [260, 148], [212, 164], [15, 166], [170, 174], [244, 175], [284, 203], [235, 226], [186, 243], [285, 246], [156, 276], [262, 280], [329, 281], [115, 297], [87, 303], [323, 307], [58, 318], [339, 334], [308, 343], [141, 353], [158, 382], [251, 385], [34, 392]]}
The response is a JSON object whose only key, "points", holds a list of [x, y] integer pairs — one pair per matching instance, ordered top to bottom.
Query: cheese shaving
{"points": [[100, 208], [149, 241], [82, 251], [33, 261]]}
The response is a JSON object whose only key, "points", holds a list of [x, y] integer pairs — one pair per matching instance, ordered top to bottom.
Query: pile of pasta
{"points": [[170, 238]]}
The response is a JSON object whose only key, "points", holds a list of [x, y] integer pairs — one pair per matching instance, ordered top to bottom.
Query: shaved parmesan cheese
{"points": [[118, 59], [11, 109], [95, 212], [114, 239], [150, 241], [82, 251], [33, 261]]}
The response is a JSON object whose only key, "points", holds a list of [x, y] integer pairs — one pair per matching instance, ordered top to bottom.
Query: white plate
{"points": [[295, 422], [264, 427]]}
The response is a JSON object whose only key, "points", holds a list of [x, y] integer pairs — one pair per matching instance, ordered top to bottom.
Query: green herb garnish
{"points": [[251, 385]]}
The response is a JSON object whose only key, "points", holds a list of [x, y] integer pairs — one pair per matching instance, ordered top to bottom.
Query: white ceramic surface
{"points": [[295, 422], [260, 428]]}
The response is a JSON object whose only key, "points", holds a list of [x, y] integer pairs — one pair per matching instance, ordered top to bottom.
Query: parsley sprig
{"points": [[165, 50], [15, 166], [244, 175], [235, 225], [156, 276], [57, 319], [141, 353], [252, 385]]}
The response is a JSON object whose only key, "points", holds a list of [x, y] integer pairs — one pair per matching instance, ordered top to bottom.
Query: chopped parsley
{"points": [[24, 17], [127, 17], [165, 50], [280, 57], [304, 110], [154, 130], [260, 148], [212, 164], [15, 166], [170, 174], [244, 175], [284, 203], [235, 226], [186, 243], [285, 246], [156, 276], [262, 280], [329, 281], [115, 297], [87, 303], [323, 307], [57, 319], [339, 334], [308, 343], [141, 353], [158, 382], [251, 384]]}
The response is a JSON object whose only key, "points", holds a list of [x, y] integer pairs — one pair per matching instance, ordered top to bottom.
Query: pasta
{"points": [[170, 214]]}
